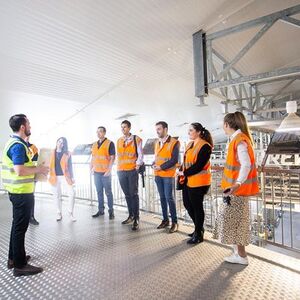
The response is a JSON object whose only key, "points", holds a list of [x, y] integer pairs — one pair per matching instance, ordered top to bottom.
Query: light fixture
{"points": [[291, 122]]}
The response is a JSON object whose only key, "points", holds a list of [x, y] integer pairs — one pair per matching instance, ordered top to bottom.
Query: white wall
{"points": [[172, 101]]}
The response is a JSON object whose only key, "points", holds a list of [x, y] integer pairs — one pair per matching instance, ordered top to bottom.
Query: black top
{"points": [[111, 150], [202, 159], [58, 169]]}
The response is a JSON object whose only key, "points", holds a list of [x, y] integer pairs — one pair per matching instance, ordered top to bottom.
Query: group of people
{"points": [[193, 178]]}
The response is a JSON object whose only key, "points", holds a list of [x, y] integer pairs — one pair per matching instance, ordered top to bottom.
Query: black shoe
{"points": [[99, 213], [111, 216], [33, 221], [128, 221], [163, 224], [135, 225], [173, 228], [192, 234], [196, 239], [10, 262], [27, 270]]}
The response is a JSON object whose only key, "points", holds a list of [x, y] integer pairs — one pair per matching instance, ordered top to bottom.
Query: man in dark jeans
{"points": [[103, 157], [130, 158], [166, 159], [17, 175]]}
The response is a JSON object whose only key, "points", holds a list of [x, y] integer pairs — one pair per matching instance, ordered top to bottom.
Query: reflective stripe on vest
{"points": [[163, 154], [100, 156], [126, 158], [232, 167], [203, 178], [12, 182]]}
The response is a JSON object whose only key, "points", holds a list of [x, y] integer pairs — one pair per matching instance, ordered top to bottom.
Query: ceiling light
{"points": [[291, 122]]}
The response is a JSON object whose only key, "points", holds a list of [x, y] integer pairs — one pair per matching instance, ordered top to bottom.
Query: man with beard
{"points": [[17, 175]]}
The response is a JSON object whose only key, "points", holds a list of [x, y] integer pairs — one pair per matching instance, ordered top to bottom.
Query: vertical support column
{"points": [[209, 60], [200, 67]]}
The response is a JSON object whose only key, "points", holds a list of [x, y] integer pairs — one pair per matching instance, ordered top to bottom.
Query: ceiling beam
{"points": [[291, 21], [256, 22], [246, 48], [257, 77]]}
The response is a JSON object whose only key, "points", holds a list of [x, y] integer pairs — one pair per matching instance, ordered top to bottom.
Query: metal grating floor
{"points": [[102, 259]]}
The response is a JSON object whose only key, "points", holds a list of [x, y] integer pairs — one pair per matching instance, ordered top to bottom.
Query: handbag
{"points": [[180, 182]]}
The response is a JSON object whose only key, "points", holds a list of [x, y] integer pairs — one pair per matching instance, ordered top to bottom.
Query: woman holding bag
{"points": [[195, 176], [238, 183]]}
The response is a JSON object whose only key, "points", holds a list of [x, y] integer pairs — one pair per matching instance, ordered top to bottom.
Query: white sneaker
{"points": [[58, 217], [72, 218], [235, 249], [236, 259]]}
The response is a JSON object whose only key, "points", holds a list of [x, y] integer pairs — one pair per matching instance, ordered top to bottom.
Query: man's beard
{"points": [[27, 133]]}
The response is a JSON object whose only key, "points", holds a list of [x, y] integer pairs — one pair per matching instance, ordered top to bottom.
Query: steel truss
{"points": [[232, 86]]}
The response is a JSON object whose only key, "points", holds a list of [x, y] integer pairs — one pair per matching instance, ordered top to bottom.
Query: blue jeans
{"points": [[104, 182], [165, 187]]}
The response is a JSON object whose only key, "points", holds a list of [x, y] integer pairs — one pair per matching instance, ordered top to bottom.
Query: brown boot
{"points": [[163, 224], [173, 228]]}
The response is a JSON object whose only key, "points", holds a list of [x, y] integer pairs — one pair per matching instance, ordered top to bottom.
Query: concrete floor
{"points": [[102, 259]]}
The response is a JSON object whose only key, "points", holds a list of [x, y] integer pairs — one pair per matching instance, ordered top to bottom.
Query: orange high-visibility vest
{"points": [[33, 150], [127, 154], [163, 154], [101, 157], [64, 167], [232, 167], [202, 178]]}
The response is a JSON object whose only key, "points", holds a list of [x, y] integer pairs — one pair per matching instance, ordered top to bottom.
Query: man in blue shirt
{"points": [[18, 179]]}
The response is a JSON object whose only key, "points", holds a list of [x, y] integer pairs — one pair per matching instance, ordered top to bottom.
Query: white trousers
{"points": [[61, 183]]}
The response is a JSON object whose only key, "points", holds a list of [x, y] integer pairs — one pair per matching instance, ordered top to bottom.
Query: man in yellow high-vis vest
{"points": [[17, 175]]}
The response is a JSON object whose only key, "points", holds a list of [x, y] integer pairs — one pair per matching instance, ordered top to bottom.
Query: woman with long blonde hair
{"points": [[238, 183]]}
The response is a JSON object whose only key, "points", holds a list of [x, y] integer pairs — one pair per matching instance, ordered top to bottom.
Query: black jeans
{"points": [[129, 183], [193, 203], [22, 206], [32, 210]]}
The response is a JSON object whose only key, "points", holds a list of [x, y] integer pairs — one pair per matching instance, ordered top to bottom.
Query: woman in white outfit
{"points": [[61, 176]]}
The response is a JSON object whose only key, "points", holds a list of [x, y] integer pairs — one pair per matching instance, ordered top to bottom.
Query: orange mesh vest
{"points": [[33, 150], [127, 154], [163, 154], [101, 157], [64, 167], [232, 167], [202, 178]]}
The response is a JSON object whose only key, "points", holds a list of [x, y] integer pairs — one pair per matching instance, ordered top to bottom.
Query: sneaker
{"points": [[111, 216], [58, 217], [72, 218], [235, 249], [236, 259]]}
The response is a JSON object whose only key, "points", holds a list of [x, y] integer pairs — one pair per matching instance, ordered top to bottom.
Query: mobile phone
{"points": [[226, 191]]}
